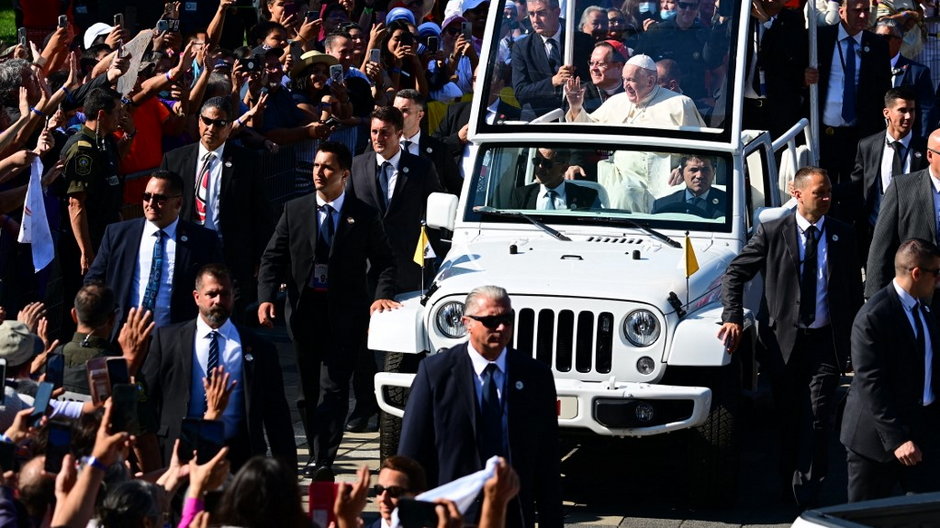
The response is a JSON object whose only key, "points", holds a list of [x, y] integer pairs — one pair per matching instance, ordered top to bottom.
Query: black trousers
{"points": [[837, 148], [326, 358], [804, 390], [872, 479]]}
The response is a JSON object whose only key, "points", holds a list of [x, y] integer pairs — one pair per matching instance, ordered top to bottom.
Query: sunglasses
{"points": [[688, 5], [221, 123], [545, 163], [159, 198], [493, 321], [393, 491]]}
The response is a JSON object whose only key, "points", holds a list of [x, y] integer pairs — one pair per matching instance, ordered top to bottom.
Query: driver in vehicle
{"points": [[551, 191], [699, 197]]}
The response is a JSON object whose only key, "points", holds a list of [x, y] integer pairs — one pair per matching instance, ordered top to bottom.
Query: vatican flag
{"points": [[424, 249], [691, 263]]}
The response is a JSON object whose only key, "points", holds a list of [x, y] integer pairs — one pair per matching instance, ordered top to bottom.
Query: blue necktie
{"points": [[848, 84], [384, 177], [328, 228], [156, 271], [213, 361], [491, 416]]}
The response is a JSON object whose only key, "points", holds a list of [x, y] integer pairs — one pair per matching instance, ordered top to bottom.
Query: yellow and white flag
{"points": [[423, 250], [691, 263]]}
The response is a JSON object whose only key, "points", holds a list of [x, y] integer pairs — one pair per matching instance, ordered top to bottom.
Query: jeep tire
{"points": [[390, 426], [714, 456]]}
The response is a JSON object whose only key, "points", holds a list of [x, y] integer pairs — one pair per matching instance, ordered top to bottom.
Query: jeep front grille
{"points": [[563, 339]]}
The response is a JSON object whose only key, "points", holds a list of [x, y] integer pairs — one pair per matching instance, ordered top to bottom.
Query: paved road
{"points": [[629, 483]]}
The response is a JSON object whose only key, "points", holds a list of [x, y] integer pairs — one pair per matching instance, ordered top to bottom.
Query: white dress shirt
{"points": [[548, 50], [832, 112], [415, 147], [887, 159], [394, 160], [215, 184], [936, 199], [560, 202], [336, 204], [822, 260], [908, 301], [161, 307], [230, 357], [479, 365]]}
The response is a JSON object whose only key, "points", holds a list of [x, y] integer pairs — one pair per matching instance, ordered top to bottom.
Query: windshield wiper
{"points": [[482, 209], [662, 237]]}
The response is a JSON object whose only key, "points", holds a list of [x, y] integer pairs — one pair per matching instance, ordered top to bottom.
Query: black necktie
{"points": [[554, 55], [406, 146], [897, 165], [385, 175], [808, 279], [213, 362], [491, 416]]}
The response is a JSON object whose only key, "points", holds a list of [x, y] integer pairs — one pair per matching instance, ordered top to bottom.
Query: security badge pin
{"points": [[429, 150], [228, 164], [405, 170], [714, 201], [350, 220], [184, 238], [835, 238], [249, 357], [519, 385]]}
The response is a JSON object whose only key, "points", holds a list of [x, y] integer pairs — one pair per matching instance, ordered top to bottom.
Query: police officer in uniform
{"points": [[94, 188]]}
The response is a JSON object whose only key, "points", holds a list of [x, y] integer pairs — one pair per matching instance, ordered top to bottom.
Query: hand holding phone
{"points": [[119, 19], [63, 21], [375, 55], [336, 73], [41, 402], [60, 439]]}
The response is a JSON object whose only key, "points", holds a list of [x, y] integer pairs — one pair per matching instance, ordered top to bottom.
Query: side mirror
{"points": [[441, 211]]}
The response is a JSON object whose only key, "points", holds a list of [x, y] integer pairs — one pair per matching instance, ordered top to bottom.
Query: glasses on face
{"points": [[687, 5], [598, 64], [221, 123], [933, 150], [159, 198], [492, 322], [393, 491]]}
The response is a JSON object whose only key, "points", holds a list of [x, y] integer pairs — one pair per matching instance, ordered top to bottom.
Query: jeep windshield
{"points": [[676, 76], [630, 188]]}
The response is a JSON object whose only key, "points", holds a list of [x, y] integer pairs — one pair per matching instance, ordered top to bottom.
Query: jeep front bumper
{"points": [[608, 408]]}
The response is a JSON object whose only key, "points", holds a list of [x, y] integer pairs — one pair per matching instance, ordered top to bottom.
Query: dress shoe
{"points": [[362, 424], [318, 472]]}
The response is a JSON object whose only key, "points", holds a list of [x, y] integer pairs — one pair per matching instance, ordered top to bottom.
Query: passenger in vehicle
{"points": [[594, 22], [605, 67], [538, 71], [669, 73], [643, 103], [551, 191], [698, 197]]}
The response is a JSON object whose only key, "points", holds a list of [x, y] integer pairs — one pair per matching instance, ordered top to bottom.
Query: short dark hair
{"points": [[262, 29], [332, 36], [905, 93], [414, 95], [98, 99], [223, 104], [390, 114], [341, 151], [684, 160], [805, 173], [173, 180], [914, 253], [213, 269], [94, 304], [417, 481], [130, 502]]}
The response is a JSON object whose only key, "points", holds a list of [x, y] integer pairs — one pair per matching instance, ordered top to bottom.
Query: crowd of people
{"points": [[168, 139]]}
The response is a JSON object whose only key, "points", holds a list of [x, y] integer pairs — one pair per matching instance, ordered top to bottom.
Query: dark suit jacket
{"points": [[783, 57], [532, 75], [917, 76], [874, 77], [458, 115], [438, 153], [866, 177], [417, 179], [576, 196], [715, 206], [906, 212], [245, 215], [774, 251], [289, 258], [116, 261], [166, 375], [886, 392], [439, 428]]}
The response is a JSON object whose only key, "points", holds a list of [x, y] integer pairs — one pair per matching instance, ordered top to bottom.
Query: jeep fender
{"points": [[400, 330], [695, 342]]}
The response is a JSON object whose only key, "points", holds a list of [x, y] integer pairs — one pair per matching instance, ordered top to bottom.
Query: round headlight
{"points": [[448, 320], [641, 328], [645, 365]]}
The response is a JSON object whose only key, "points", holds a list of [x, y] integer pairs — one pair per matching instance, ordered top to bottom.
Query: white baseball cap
{"points": [[96, 29]]}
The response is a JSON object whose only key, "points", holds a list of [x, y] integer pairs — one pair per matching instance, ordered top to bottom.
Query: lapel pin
{"points": [[867, 49], [429, 150], [917, 154], [228, 164], [405, 170], [715, 201], [350, 220], [184, 238], [835, 238], [249, 357], [519, 385]]}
